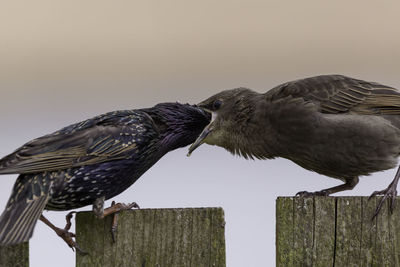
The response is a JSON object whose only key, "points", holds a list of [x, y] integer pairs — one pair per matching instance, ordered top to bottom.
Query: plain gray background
{"points": [[62, 62]]}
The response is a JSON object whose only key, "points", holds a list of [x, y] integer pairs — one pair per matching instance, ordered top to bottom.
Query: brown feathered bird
{"points": [[334, 125]]}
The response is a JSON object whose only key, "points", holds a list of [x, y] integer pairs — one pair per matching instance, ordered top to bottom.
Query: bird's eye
{"points": [[217, 104]]}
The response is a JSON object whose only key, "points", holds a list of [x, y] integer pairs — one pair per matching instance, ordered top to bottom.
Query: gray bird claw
{"points": [[390, 192], [312, 194], [128, 206]]}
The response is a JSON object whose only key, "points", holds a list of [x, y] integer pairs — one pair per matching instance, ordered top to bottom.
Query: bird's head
{"points": [[230, 110], [178, 124]]}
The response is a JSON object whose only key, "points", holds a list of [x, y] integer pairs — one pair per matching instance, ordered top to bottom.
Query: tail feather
{"points": [[26, 204], [17, 223]]}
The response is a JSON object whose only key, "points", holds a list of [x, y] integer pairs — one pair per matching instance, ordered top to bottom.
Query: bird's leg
{"points": [[348, 185], [389, 192], [98, 207], [100, 212], [114, 225], [67, 236]]}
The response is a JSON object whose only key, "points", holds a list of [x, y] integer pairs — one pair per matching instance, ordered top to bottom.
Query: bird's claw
{"points": [[390, 192], [312, 194], [131, 206], [114, 209], [68, 219], [114, 224], [68, 237]]}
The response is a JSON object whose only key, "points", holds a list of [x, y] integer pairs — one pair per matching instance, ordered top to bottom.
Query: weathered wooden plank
{"points": [[303, 222], [394, 228], [341, 229], [284, 231], [324, 231], [348, 231], [368, 233], [137, 237], [154, 237], [217, 238], [384, 241], [147, 242], [92, 243], [183, 246], [123, 249], [201, 250], [109, 254], [15, 256]]}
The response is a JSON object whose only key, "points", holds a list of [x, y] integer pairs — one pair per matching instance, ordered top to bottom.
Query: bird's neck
{"points": [[178, 125], [250, 135], [174, 139]]}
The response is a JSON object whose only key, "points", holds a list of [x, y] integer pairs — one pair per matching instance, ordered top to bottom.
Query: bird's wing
{"points": [[340, 94], [77, 145]]}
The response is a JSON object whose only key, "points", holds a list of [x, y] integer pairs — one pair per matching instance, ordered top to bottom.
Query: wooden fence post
{"points": [[336, 231], [153, 237], [15, 256]]}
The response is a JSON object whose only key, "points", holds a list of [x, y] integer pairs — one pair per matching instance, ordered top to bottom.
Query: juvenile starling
{"points": [[334, 125], [93, 160]]}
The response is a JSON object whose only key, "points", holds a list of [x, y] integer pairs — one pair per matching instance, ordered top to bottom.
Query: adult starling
{"points": [[334, 125], [93, 160]]}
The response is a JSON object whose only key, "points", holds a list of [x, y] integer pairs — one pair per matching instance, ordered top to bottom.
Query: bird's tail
{"points": [[27, 201]]}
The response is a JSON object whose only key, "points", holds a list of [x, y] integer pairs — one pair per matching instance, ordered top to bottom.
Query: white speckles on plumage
{"points": [[99, 157]]}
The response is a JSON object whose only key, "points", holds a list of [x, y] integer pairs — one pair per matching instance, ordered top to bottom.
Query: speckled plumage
{"points": [[331, 124], [98, 157]]}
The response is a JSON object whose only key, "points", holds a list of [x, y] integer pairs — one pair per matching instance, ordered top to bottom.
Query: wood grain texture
{"points": [[336, 231], [154, 237], [15, 256]]}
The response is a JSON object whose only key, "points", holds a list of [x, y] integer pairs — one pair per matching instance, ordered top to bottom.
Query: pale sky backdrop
{"points": [[65, 61]]}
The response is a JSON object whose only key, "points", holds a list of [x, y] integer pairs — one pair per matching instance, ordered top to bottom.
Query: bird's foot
{"points": [[390, 192], [312, 194], [117, 207], [114, 209], [67, 236]]}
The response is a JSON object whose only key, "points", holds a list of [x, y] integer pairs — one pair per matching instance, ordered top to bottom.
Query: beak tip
{"points": [[199, 140]]}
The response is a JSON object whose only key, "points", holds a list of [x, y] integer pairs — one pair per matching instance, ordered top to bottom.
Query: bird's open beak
{"points": [[200, 140]]}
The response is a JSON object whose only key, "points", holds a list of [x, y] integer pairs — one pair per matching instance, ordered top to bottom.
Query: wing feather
{"points": [[340, 94], [77, 147]]}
